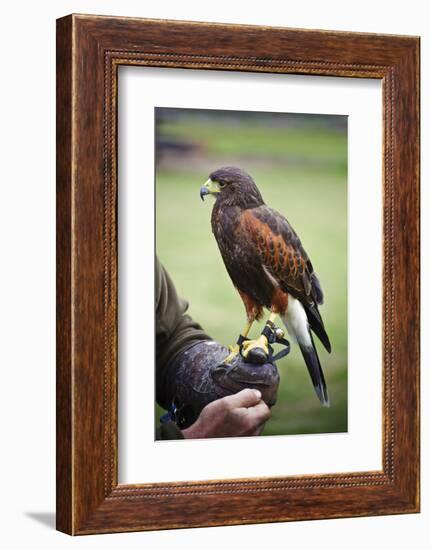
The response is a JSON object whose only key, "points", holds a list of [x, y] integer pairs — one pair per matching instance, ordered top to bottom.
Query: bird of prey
{"points": [[268, 266]]}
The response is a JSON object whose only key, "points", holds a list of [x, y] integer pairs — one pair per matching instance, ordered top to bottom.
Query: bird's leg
{"points": [[259, 346], [234, 350]]}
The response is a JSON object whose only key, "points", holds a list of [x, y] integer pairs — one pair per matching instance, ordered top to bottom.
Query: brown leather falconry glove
{"points": [[198, 376]]}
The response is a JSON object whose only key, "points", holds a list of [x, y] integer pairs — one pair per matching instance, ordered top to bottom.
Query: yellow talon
{"points": [[261, 342], [234, 351]]}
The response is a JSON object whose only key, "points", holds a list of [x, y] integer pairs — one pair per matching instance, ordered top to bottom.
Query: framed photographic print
{"points": [[237, 274]]}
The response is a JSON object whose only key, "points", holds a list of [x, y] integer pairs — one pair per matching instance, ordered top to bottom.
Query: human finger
{"points": [[245, 398], [260, 413], [258, 430]]}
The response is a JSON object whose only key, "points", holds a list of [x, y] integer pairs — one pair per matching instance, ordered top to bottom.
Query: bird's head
{"points": [[233, 187]]}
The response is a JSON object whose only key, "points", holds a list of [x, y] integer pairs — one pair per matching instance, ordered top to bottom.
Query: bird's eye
{"points": [[222, 184]]}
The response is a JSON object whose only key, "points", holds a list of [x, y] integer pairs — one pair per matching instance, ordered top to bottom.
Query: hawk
{"points": [[269, 267]]}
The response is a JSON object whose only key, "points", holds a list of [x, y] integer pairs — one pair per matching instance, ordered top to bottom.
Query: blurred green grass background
{"points": [[299, 163]]}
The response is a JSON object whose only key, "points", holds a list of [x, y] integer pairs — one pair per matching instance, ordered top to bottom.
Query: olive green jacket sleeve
{"points": [[175, 332], [169, 430]]}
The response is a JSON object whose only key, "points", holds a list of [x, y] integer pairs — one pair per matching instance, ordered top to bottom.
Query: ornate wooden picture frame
{"points": [[89, 51]]}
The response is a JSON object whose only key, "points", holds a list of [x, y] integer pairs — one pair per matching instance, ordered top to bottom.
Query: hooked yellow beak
{"points": [[209, 188]]}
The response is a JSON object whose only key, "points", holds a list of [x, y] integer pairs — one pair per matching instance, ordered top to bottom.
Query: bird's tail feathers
{"points": [[316, 324], [297, 325], [314, 367]]}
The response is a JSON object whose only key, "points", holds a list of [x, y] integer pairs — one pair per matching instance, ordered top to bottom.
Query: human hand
{"points": [[241, 414]]}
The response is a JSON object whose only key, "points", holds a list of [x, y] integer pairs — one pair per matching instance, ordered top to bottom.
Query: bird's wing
{"points": [[282, 253], [285, 259]]}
